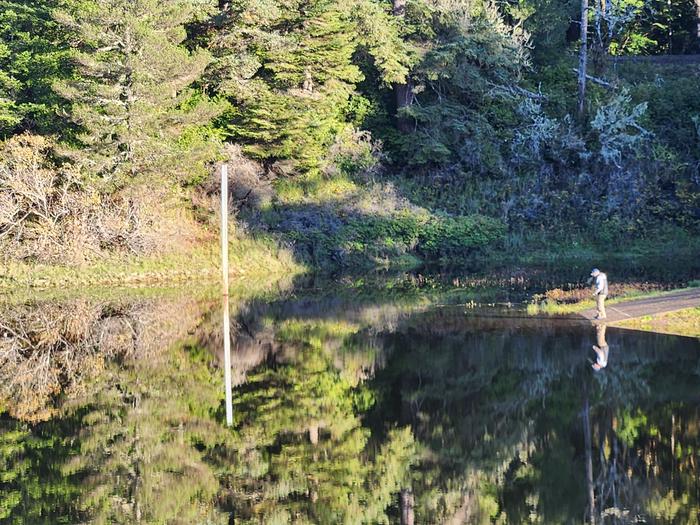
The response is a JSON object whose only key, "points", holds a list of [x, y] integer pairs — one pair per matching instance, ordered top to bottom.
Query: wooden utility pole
{"points": [[583, 61], [224, 227], [225, 283]]}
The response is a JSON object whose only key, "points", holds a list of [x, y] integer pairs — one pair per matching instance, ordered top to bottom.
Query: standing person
{"points": [[600, 292]]}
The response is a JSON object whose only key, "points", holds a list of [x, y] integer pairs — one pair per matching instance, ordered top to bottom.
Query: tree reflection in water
{"points": [[359, 410]]}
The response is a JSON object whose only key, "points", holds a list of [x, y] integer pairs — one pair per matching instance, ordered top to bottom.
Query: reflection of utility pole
{"points": [[224, 271], [227, 363], [673, 447], [589, 457]]}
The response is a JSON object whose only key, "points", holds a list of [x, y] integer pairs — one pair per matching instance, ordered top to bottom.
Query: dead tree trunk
{"points": [[399, 7], [599, 46], [583, 61], [403, 93], [313, 434], [407, 503]]}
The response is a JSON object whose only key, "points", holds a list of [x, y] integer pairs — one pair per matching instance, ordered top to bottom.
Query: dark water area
{"points": [[677, 267], [517, 283], [379, 404]]}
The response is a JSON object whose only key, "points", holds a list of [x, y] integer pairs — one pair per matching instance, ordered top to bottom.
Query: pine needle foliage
{"points": [[290, 72], [132, 96]]}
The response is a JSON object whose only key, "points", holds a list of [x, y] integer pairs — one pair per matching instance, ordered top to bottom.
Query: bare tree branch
{"points": [[597, 80]]}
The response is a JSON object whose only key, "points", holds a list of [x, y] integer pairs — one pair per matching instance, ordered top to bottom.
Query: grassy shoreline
{"points": [[262, 258], [253, 259], [553, 308], [685, 322]]}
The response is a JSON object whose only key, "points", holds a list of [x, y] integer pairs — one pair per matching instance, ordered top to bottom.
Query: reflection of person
{"points": [[600, 292], [601, 349]]}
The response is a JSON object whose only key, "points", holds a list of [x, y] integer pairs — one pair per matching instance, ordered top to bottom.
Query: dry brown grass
{"points": [[50, 214]]}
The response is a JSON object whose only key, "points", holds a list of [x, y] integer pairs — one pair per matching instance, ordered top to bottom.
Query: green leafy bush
{"points": [[444, 236], [433, 237]]}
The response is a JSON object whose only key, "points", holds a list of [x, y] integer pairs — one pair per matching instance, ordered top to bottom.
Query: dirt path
{"points": [[649, 306]]}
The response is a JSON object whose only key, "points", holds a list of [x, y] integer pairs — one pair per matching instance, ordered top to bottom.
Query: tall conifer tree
{"points": [[34, 53], [290, 73], [132, 97]]}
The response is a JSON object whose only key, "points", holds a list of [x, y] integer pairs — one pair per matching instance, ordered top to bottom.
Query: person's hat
{"points": [[594, 272]]}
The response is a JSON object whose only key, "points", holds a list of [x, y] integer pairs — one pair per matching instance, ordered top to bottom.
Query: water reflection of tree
{"points": [[467, 397], [139, 408], [494, 411], [499, 412], [128, 414], [143, 432], [304, 455], [646, 457], [33, 488]]}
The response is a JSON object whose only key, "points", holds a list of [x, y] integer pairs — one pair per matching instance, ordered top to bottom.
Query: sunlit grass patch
{"points": [[316, 189], [334, 189], [289, 191], [256, 259], [682, 322]]}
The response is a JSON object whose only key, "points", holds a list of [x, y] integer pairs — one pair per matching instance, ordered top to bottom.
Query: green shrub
{"points": [[402, 228], [432, 236], [444, 236], [363, 238]]}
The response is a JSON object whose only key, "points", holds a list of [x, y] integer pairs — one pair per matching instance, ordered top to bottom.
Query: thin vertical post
{"points": [[224, 226], [224, 271]]}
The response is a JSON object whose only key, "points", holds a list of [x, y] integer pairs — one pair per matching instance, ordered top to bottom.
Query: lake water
{"points": [[363, 403]]}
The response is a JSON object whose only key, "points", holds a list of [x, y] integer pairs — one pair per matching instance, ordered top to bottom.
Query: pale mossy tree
{"points": [[470, 68], [133, 95], [613, 163]]}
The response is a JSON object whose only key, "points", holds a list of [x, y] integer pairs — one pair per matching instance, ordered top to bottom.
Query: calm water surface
{"points": [[356, 407]]}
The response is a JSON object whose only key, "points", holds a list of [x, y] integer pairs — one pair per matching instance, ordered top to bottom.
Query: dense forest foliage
{"points": [[355, 131]]}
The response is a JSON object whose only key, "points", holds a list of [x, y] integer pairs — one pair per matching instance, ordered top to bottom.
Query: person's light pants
{"points": [[600, 304]]}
